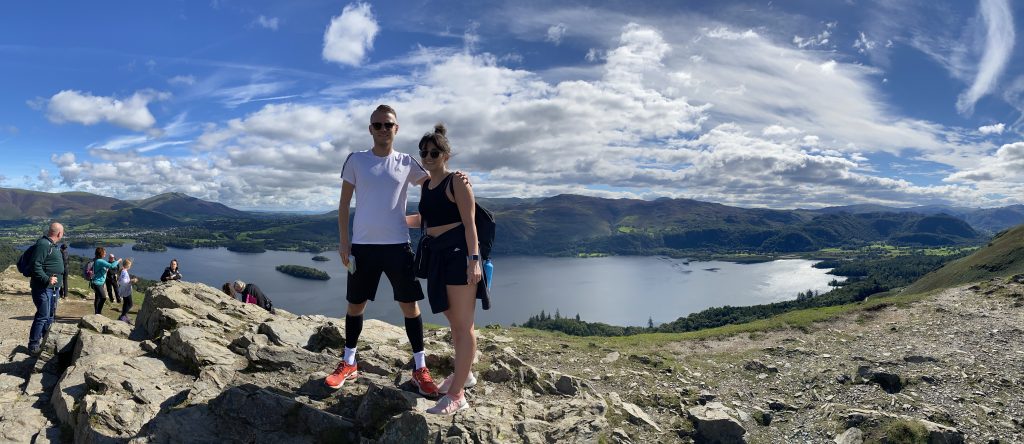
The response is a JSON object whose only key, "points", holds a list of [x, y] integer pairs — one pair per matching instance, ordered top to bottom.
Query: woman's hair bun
{"points": [[440, 129]]}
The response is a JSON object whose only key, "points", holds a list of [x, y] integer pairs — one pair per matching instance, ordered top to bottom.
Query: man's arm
{"points": [[344, 239], [38, 258]]}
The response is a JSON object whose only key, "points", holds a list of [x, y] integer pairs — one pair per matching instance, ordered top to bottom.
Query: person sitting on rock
{"points": [[171, 273], [251, 294]]}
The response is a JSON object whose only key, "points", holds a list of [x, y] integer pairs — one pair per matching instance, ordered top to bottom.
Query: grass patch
{"points": [[799, 319]]}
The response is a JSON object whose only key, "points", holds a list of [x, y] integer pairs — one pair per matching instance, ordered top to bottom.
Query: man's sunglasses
{"points": [[379, 125], [434, 154]]}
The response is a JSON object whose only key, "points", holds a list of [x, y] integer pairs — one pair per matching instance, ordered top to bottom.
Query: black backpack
{"points": [[485, 227], [25, 260]]}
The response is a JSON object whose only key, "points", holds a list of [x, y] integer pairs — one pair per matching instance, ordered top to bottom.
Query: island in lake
{"points": [[320, 258], [303, 272]]}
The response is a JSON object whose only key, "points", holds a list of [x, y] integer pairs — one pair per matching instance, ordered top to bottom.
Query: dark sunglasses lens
{"points": [[379, 125], [433, 154]]}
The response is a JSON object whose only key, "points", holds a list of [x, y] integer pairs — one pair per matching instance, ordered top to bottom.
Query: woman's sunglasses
{"points": [[379, 125], [434, 154]]}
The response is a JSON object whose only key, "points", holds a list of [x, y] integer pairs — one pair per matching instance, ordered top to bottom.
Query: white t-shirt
{"points": [[381, 184]]}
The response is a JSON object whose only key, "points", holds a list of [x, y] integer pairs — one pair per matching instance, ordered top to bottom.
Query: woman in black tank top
{"points": [[447, 211]]}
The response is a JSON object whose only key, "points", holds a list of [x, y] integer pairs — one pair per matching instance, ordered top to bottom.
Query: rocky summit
{"points": [[201, 367]]}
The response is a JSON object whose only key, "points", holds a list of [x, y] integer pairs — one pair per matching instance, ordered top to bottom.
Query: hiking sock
{"points": [[353, 326], [414, 330], [350, 356], [420, 360]]}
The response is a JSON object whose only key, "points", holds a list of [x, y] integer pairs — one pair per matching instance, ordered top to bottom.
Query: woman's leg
{"points": [[100, 296], [461, 307]]}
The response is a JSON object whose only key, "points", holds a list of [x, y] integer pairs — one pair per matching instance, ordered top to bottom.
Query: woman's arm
{"points": [[466, 202], [412, 220]]}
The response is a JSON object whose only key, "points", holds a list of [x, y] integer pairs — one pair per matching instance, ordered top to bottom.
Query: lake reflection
{"points": [[618, 290]]}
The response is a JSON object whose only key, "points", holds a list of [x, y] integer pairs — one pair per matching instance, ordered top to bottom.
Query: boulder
{"points": [[637, 415], [714, 423], [852, 435]]}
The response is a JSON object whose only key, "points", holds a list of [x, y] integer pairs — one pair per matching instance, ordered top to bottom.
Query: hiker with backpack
{"points": [[449, 257], [43, 263], [96, 273], [124, 289], [251, 294]]}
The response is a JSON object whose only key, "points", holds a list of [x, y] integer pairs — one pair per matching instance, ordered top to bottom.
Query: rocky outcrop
{"points": [[230, 372]]}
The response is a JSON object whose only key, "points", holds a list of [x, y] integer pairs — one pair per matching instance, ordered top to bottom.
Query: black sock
{"points": [[353, 326], [414, 329]]}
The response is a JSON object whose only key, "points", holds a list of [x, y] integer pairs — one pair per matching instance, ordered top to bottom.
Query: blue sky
{"points": [[778, 104]]}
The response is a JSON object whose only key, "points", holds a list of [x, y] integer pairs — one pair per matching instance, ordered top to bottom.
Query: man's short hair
{"points": [[386, 109]]}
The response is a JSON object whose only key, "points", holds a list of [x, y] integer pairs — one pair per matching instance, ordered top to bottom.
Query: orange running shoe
{"points": [[342, 373], [424, 383]]}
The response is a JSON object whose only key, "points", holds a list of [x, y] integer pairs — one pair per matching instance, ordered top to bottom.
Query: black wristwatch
{"points": [[472, 257]]}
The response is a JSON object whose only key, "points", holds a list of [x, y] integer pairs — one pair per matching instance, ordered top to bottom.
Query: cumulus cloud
{"points": [[555, 33], [350, 35], [999, 40], [87, 109], [649, 121], [992, 129], [1000, 174]]}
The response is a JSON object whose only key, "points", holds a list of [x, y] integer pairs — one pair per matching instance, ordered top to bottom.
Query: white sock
{"points": [[350, 356], [420, 359]]}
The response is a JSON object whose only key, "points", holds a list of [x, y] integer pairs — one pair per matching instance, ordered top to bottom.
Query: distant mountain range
{"points": [[564, 224]]}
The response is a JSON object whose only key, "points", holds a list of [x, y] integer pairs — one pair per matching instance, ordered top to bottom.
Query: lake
{"points": [[618, 290]]}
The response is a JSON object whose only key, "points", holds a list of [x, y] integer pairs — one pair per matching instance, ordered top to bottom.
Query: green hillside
{"points": [[186, 207], [1003, 256]]}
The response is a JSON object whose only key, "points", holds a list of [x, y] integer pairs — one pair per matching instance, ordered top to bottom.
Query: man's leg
{"points": [[54, 295], [42, 303], [353, 327], [414, 331]]}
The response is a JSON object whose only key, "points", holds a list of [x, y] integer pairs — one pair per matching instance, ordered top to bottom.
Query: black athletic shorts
{"points": [[394, 260]]}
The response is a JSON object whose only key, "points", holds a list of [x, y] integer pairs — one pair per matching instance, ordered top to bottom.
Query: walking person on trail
{"points": [[379, 243], [450, 256], [47, 266], [100, 267], [124, 288]]}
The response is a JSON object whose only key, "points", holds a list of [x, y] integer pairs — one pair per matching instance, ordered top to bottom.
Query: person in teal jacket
{"points": [[47, 265], [99, 270]]}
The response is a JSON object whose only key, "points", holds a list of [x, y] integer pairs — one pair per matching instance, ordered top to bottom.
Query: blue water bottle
{"points": [[488, 272]]}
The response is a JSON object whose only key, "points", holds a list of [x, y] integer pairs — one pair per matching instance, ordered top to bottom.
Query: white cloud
{"points": [[267, 22], [555, 33], [350, 35], [821, 39], [999, 40], [865, 45], [593, 55], [188, 80], [87, 109], [648, 121], [992, 129], [1000, 174]]}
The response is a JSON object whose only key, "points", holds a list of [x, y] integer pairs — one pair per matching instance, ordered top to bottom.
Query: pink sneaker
{"points": [[447, 383], [446, 406]]}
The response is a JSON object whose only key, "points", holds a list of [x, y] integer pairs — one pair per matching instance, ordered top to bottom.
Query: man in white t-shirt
{"points": [[379, 242]]}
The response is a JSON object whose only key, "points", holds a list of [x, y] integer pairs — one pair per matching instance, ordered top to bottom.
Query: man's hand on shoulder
{"points": [[465, 178]]}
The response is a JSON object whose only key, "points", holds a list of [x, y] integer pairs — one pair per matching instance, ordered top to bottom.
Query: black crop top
{"points": [[435, 208]]}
